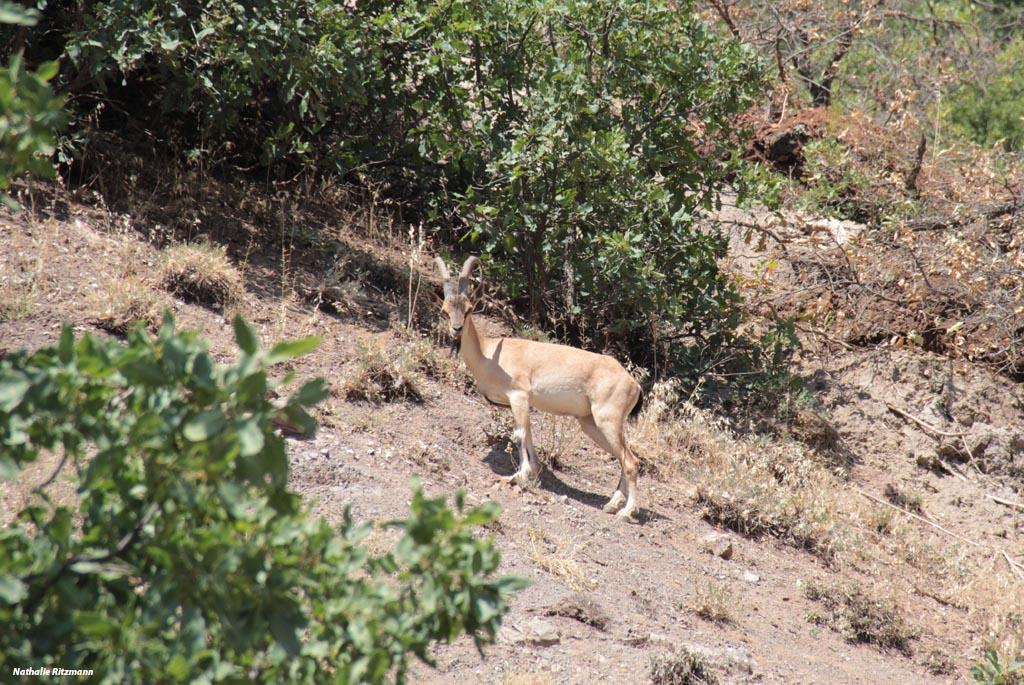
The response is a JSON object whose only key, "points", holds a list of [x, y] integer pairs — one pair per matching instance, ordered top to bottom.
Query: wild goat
{"points": [[556, 379]]}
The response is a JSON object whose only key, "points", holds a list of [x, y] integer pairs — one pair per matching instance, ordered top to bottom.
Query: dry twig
{"points": [[1006, 502], [919, 518]]}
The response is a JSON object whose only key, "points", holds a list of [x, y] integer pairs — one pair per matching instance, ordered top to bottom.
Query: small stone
{"points": [[564, 499], [719, 545], [751, 577], [541, 632]]}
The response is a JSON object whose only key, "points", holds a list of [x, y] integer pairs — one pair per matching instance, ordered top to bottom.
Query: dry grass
{"points": [[201, 273], [17, 294], [121, 303], [384, 375], [755, 486], [779, 488], [904, 498], [557, 558], [994, 599], [713, 601], [859, 617], [684, 667]]}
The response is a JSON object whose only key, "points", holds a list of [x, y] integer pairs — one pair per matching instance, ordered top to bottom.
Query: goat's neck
{"points": [[471, 346]]}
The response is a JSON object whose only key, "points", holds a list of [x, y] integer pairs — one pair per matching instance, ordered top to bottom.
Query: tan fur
{"points": [[557, 379]]}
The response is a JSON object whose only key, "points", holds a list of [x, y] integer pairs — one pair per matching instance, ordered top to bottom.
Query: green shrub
{"points": [[990, 111], [30, 114], [573, 143], [578, 153], [835, 185], [185, 557], [991, 671]]}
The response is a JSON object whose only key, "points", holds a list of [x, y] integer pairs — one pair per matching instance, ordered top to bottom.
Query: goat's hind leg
{"points": [[611, 427], [618, 497]]}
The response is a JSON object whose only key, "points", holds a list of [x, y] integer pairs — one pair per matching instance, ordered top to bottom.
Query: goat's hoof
{"points": [[520, 480], [614, 504], [628, 516]]}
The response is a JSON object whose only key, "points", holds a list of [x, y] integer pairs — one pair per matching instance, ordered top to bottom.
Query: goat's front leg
{"points": [[522, 436]]}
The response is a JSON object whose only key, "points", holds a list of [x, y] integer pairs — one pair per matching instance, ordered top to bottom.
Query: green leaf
{"points": [[11, 13], [47, 70], [245, 336], [66, 346], [290, 349], [13, 387], [311, 393], [298, 416], [204, 425], [250, 437], [8, 468], [233, 496], [108, 570], [12, 590], [94, 624], [177, 668]]}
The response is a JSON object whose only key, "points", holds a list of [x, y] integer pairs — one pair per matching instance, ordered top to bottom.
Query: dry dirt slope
{"points": [[607, 597]]}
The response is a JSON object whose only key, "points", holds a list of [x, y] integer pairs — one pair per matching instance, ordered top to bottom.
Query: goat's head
{"points": [[459, 295]]}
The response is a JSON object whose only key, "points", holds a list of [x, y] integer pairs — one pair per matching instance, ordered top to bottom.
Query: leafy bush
{"points": [[263, 77], [990, 111], [29, 112], [573, 143], [578, 150], [835, 185], [186, 558], [991, 671]]}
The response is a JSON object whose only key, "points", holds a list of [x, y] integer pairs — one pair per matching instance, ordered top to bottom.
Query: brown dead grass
{"points": [[201, 273], [17, 292], [122, 303], [382, 374], [753, 485], [557, 557], [713, 601], [861, 617], [683, 667]]}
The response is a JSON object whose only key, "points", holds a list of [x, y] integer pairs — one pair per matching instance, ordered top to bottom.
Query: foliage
{"points": [[991, 111], [29, 112], [573, 143], [580, 148], [836, 186], [185, 557], [991, 671]]}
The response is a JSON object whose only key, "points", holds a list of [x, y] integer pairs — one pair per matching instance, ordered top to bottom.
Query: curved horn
{"points": [[471, 261], [442, 267]]}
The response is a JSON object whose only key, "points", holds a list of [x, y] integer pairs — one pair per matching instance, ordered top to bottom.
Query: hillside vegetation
{"points": [[799, 226]]}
